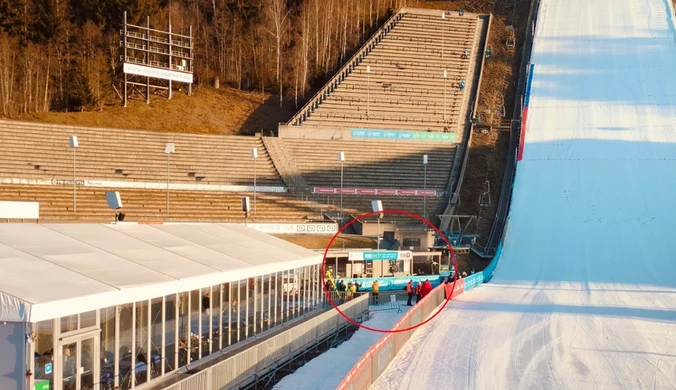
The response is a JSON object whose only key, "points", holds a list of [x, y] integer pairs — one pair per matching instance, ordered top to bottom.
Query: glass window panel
{"points": [[195, 311], [215, 316], [88, 319], [69, 323], [126, 330], [184, 330], [170, 335], [155, 338], [107, 346], [44, 353], [142, 355]]}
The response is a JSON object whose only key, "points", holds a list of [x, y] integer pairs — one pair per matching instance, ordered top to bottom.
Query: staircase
{"points": [[285, 166]]}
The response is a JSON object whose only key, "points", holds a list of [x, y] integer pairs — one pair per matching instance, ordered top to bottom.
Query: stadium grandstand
{"points": [[148, 302]]}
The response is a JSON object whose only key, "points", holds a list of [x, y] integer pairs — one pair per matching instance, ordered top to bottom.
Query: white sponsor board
{"points": [[166, 74], [144, 185], [180, 186], [19, 210], [295, 228]]}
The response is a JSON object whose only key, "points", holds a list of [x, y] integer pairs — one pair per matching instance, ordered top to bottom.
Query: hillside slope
{"points": [[208, 110]]}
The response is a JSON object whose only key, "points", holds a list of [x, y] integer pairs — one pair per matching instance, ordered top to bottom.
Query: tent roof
{"points": [[54, 270]]}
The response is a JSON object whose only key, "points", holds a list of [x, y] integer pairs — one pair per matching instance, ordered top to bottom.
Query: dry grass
{"points": [[208, 110], [321, 242]]}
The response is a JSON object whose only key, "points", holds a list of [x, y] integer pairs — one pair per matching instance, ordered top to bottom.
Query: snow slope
{"points": [[584, 295], [328, 369]]}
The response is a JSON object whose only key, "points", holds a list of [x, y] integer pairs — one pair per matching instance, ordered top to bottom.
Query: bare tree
{"points": [[277, 19]]}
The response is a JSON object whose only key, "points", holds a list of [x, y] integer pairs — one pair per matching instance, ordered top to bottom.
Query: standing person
{"points": [[376, 288], [425, 289], [409, 291], [418, 292]]}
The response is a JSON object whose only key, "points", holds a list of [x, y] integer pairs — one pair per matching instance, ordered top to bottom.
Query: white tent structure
{"points": [[67, 286]]}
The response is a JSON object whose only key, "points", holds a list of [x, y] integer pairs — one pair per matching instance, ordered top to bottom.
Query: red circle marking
{"points": [[402, 212]]}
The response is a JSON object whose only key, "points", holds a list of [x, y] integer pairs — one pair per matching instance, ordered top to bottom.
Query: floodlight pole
{"points": [[443, 33], [445, 78], [368, 90], [73, 143], [168, 150], [254, 156], [168, 157], [341, 158], [74, 185], [425, 187], [378, 233]]}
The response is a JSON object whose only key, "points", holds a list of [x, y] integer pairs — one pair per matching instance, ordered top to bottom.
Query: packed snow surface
{"points": [[584, 296], [327, 370]]}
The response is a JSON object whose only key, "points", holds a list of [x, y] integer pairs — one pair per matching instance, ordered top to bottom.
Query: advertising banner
{"points": [[165, 74], [402, 135], [374, 191], [295, 228], [379, 255]]}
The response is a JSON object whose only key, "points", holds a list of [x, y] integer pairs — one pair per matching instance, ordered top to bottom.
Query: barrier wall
{"points": [[377, 358], [256, 360]]}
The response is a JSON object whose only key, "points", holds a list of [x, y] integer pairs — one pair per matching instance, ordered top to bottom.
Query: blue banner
{"points": [[528, 86], [402, 135], [388, 255], [393, 283]]}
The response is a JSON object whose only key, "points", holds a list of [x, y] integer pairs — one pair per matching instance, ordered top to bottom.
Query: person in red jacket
{"points": [[425, 289]]}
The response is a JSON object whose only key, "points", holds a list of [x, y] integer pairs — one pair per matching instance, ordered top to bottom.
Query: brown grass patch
{"points": [[207, 111], [321, 242]]}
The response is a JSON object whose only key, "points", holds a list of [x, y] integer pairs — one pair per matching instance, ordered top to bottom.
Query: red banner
{"points": [[324, 191], [363, 191], [386, 192], [406, 192]]}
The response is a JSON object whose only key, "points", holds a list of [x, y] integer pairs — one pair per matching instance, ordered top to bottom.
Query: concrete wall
{"points": [[12, 358]]}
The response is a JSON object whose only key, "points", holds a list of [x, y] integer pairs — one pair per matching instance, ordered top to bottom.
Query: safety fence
{"points": [[255, 361], [374, 362]]}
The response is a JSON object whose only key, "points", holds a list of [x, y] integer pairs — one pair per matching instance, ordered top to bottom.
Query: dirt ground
{"points": [[208, 110]]}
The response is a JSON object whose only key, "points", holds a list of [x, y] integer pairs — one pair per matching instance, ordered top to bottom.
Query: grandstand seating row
{"points": [[405, 88], [36, 151], [372, 164], [56, 204]]}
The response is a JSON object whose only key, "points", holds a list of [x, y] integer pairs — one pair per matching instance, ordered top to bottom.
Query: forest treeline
{"points": [[64, 55]]}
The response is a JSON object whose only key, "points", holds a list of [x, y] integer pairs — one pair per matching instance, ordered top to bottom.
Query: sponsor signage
{"points": [[165, 74], [402, 135], [143, 185], [373, 191], [19, 210], [295, 228], [379, 255]]}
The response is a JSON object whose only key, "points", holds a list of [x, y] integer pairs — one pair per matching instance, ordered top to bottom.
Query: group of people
{"points": [[420, 290], [345, 291]]}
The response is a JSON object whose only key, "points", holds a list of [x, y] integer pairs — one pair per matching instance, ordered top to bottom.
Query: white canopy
{"points": [[54, 270]]}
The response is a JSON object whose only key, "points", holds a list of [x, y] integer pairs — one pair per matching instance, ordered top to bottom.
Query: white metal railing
{"points": [[259, 358]]}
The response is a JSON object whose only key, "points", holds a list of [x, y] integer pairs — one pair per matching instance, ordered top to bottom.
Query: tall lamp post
{"points": [[443, 33], [445, 78], [368, 90], [73, 143], [168, 150], [254, 156], [341, 158], [425, 187], [377, 206]]}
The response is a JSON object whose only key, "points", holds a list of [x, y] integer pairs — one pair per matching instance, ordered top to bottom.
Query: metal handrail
{"points": [[357, 57]]}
